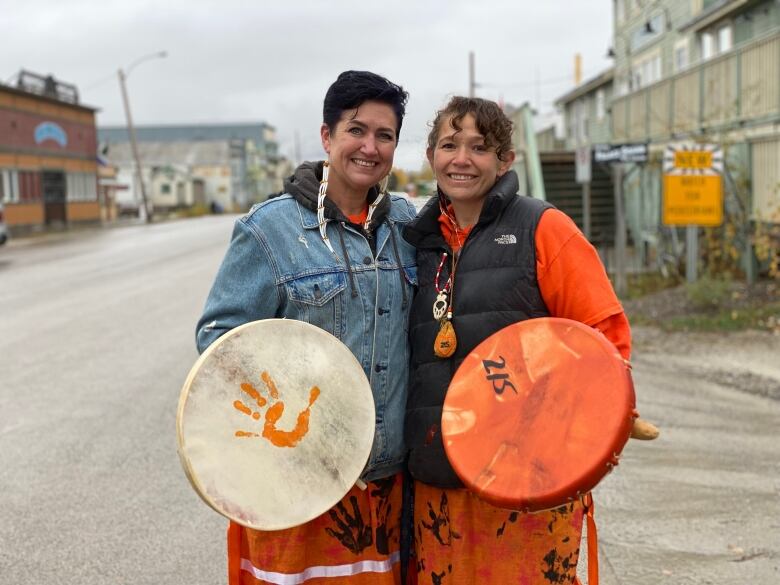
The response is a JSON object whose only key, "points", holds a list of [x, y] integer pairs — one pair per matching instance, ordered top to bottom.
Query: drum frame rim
{"points": [[182, 402], [618, 442]]}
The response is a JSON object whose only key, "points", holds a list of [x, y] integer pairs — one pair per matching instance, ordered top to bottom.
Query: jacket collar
{"points": [[304, 186], [424, 231]]}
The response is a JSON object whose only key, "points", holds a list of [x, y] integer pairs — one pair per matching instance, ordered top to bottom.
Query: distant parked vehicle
{"points": [[3, 227]]}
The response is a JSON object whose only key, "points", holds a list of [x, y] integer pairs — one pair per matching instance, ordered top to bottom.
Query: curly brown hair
{"points": [[490, 120]]}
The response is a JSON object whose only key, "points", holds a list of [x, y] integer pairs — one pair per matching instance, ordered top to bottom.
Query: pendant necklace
{"points": [[441, 304], [446, 342]]}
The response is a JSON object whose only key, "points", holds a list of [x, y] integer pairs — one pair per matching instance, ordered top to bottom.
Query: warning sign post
{"points": [[693, 187], [693, 194]]}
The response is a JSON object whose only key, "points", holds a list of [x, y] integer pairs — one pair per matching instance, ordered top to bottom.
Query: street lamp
{"points": [[123, 74]]}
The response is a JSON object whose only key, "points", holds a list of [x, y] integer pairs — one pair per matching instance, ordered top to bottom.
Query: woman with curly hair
{"points": [[488, 258]]}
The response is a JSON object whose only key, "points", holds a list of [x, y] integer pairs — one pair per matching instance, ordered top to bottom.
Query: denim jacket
{"points": [[277, 265]]}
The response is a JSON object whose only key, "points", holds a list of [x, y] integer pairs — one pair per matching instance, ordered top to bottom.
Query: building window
{"points": [[725, 39], [715, 42], [708, 49], [681, 55], [646, 71], [623, 85], [600, 105], [573, 122], [9, 186], [29, 186], [81, 187], [165, 189]]}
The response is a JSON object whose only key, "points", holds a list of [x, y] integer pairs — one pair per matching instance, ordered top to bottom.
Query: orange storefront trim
{"points": [[83, 211], [18, 214]]}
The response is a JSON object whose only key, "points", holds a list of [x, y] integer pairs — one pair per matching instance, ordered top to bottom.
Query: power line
{"points": [[548, 81], [99, 82]]}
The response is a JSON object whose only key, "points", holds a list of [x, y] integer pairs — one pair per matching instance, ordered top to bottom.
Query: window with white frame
{"points": [[725, 39], [716, 41], [708, 49], [681, 58], [646, 70], [623, 86], [600, 105], [573, 121], [581, 124], [9, 186], [81, 187]]}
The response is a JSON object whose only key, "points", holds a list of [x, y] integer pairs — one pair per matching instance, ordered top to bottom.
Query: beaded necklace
{"points": [[446, 341]]}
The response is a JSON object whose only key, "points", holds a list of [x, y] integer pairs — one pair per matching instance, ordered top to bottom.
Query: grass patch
{"points": [[642, 284], [709, 305]]}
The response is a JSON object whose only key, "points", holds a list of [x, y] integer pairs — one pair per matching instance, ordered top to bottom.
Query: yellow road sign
{"points": [[693, 186], [693, 200]]}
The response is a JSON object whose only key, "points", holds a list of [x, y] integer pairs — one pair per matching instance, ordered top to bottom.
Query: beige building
{"points": [[703, 71], [177, 175]]}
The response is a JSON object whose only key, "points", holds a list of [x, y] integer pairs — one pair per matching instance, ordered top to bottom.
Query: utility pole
{"points": [[472, 83], [131, 129], [134, 146], [621, 284]]}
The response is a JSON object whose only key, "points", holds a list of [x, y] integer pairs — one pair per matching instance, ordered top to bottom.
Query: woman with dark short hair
{"points": [[329, 251], [488, 258]]}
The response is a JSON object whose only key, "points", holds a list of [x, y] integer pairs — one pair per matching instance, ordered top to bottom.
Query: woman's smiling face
{"points": [[360, 148], [465, 167]]}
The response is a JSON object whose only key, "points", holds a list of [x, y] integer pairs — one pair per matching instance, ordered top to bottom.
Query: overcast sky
{"points": [[233, 61]]}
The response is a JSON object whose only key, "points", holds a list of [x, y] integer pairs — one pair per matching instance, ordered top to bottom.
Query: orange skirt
{"points": [[459, 539], [355, 542]]}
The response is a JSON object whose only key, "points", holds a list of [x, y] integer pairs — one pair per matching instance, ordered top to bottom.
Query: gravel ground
{"points": [[746, 360]]}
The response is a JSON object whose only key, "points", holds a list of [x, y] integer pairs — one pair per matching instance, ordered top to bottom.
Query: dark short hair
{"points": [[352, 88], [490, 120]]}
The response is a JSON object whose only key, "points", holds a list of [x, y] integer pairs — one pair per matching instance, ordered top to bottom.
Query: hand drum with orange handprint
{"points": [[277, 437]]}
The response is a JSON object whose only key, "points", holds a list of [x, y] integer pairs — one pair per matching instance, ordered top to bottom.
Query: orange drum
{"points": [[538, 414], [275, 423]]}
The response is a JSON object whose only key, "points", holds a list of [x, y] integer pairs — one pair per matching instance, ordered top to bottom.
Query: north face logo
{"points": [[506, 239]]}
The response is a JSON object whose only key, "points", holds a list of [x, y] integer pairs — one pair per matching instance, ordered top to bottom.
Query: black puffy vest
{"points": [[495, 286]]}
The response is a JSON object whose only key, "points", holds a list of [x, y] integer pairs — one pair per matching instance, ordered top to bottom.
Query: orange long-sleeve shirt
{"points": [[571, 277]]}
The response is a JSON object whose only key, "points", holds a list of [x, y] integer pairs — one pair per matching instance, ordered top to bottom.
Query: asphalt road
{"points": [[96, 338]]}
